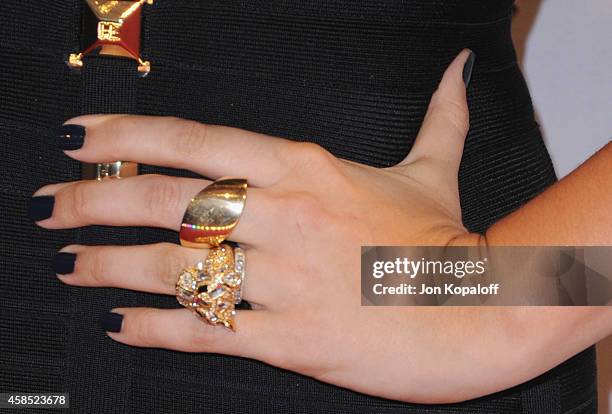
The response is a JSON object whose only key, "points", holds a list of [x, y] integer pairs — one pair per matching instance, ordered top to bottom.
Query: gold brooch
{"points": [[113, 27]]}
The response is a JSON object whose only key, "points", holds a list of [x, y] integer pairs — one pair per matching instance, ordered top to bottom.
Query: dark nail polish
{"points": [[468, 68], [71, 137], [41, 207], [63, 263], [111, 322]]}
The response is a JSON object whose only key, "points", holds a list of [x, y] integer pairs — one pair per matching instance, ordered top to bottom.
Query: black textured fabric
{"points": [[354, 77]]}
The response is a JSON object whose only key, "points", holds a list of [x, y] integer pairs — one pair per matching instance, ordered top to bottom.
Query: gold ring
{"points": [[213, 213], [210, 288]]}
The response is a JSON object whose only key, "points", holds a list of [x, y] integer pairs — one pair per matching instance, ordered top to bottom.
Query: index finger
{"points": [[213, 151]]}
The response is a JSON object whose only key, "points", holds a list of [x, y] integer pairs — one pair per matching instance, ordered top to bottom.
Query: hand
{"points": [[306, 216]]}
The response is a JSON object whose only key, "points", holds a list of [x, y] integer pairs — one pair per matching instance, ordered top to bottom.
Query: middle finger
{"points": [[147, 200]]}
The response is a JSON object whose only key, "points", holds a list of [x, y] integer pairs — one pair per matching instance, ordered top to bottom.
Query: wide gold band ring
{"points": [[213, 213], [212, 288]]}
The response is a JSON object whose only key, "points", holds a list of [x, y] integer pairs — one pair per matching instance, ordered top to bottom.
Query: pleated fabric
{"points": [[354, 77]]}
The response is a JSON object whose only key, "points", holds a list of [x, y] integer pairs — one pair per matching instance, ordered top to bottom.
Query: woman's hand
{"points": [[306, 216]]}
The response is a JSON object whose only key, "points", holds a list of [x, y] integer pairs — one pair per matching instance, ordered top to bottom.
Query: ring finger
{"points": [[154, 268]]}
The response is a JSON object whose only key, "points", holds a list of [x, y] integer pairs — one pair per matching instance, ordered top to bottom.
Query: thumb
{"points": [[446, 123]]}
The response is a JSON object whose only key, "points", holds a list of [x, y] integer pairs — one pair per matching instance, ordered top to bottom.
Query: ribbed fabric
{"points": [[354, 77], [108, 86]]}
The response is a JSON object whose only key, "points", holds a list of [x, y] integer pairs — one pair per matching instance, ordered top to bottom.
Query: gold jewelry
{"points": [[117, 25], [117, 169], [213, 213], [240, 270], [210, 288]]}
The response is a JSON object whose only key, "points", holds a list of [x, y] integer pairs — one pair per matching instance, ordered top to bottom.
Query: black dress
{"points": [[354, 77]]}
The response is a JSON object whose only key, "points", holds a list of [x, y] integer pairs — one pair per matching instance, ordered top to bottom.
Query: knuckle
{"points": [[452, 112], [113, 133], [191, 138], [309, 156], [162, 198], [301, 205], [79, 207], [308, 212], [170, 259], [97, 266], [143, 328], [209, 337], [308, 360]]}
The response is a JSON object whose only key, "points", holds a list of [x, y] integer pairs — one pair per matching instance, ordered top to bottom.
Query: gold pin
{"points": [[117, 32]]}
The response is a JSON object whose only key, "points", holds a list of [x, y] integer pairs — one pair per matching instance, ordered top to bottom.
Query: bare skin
{"points": [[307, 214]]}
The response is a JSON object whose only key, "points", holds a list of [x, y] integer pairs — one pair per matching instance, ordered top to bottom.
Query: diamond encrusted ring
{"points": [[212, 288]]}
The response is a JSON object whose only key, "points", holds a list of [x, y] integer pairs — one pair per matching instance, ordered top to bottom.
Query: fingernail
{"points": [[468, 68], [71, 137], [41, 207], [63, 264], [111, 322]]}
